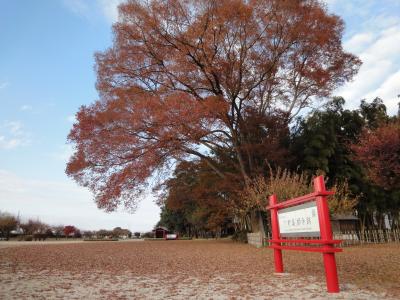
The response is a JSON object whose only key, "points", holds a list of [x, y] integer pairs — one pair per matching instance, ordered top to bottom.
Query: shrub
{"points": [[284, 183], [342, 202], [149, 234], [240, 236], [28, 238], [100, 240]]}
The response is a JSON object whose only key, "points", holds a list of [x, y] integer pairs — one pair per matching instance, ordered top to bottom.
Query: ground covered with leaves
{"points": [[189, 269]]}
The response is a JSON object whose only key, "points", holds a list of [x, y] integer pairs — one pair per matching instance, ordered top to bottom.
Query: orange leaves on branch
{"points": [[122, 142]]}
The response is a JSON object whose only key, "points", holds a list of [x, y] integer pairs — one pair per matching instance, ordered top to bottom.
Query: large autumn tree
{"points": [[188, 79]]}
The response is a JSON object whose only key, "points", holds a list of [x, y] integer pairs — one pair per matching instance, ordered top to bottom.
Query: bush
{"points": [[282, 182], [342, 202], [149, 234], [240, 236], [28, 238], [185, 238], [100, 240]]}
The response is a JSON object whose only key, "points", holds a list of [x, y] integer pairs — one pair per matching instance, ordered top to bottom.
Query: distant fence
{"points": [[368, 236], [349, 238]]}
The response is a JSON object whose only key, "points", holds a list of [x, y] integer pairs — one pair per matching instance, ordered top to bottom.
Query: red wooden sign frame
{"points": [[326, 242]]}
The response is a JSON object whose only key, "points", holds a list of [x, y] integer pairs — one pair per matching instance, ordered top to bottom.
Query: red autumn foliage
{"points": [[184, 79], [379, 152], [206, 199], [68, 230]]}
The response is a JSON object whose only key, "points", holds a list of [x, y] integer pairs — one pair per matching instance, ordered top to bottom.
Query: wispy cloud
{"points": [[78, 7], [107, 9], [372, 33], [359, 41], [379, 52], [3, 85], [389, 91], [26, 107], [71, 118], [12, 135], [64, 153]]}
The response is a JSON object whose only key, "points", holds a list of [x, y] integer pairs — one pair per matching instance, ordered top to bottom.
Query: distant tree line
{"points": [[12, 226], [117, 232]]}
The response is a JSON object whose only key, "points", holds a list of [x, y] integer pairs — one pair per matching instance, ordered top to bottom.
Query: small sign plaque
{"points": [[300, 220]]}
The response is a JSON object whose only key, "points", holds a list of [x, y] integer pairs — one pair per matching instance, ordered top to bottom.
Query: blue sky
{"points": [[46, 74]]}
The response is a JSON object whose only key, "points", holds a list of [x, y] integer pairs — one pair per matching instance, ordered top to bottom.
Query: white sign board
{"points": [[300, 220]]}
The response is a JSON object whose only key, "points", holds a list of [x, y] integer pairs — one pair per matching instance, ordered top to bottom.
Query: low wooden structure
{"points": [[345, 223], [160, 232]]}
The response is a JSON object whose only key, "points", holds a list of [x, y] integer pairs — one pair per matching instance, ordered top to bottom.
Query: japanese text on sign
{"points": [[300, 220]]}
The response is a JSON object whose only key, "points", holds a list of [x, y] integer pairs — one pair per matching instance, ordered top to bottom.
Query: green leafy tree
{"points": [[374, 113], [323, 142]]}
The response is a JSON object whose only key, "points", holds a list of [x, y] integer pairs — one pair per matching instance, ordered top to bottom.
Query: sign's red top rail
{"points": [[300, 200], [304, 241]]}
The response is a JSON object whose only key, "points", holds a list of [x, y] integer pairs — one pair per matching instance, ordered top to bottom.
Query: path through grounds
{"points": [[189, 270]]}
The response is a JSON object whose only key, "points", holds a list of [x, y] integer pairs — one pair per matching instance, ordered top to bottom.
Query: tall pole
{"points": [[275, 235], [332, 281]]}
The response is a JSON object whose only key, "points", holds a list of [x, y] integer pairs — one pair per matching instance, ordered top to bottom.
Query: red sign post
{"points": [[325, 244]]}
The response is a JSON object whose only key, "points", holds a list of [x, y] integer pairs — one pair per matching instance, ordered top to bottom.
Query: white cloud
{"points": [[330, 2], [78, 7], [353, 7], [109, 9], [382, 21], [372, 32], [358, 42], [386, 46], [379, 50], [369, 77], [3, 85], [389, 91], [26, 107], [71, 119], [14, 126], [12, 135], [8, 143], [64, 153], [63, 202]]}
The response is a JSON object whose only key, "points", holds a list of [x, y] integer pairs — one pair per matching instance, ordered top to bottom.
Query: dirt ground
{"points": [[189, 269]]}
